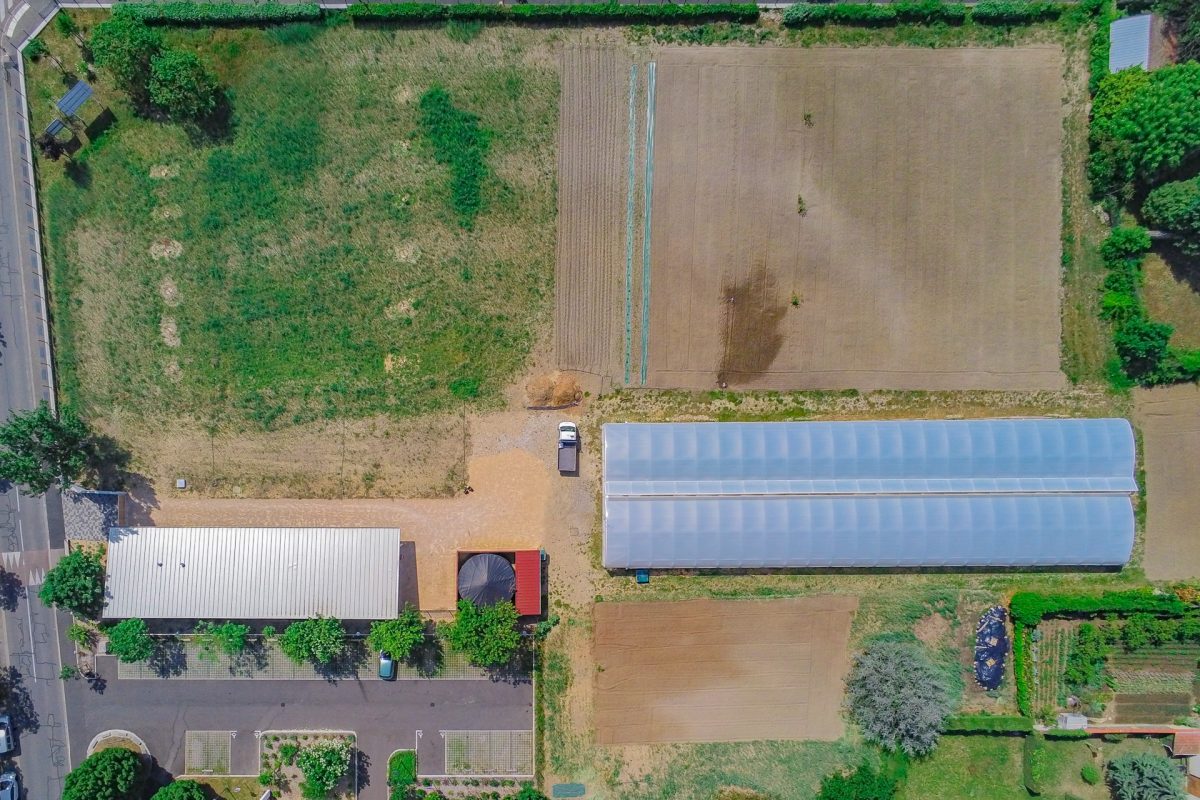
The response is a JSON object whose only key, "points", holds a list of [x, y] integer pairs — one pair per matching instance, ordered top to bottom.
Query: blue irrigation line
{"points": [[633, 71], [646, 218]]}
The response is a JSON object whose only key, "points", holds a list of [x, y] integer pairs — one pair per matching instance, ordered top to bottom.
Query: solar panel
{"points": [[75, 97], [55, 127]]}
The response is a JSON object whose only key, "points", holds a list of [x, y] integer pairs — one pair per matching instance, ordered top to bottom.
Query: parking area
{"points": [[385, 716]]}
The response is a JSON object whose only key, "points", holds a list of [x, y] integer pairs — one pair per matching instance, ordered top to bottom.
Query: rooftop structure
{"points": [[1137, 41], [973, 493], [253, 573]]}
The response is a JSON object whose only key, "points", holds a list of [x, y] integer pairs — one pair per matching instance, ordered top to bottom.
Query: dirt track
{"points": [[927, 253], [1169, 418], [721, 670]]}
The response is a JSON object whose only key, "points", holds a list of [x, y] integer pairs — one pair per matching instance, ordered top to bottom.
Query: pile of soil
{"points": [[552, 389]]}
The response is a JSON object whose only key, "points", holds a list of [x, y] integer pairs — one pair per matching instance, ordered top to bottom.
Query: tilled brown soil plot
{"points": [[839, 218], [1169, 418], [721, 670]]}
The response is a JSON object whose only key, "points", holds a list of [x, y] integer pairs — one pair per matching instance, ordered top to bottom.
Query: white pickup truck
{"points": [[568, 448]]}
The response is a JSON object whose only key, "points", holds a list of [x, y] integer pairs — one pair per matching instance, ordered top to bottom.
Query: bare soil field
{"points": [[593, 168], [865, 218], [1169, 418], [721, 670]]}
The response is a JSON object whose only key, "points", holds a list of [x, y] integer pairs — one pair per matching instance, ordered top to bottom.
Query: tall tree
{"points": [[126, 47], [181, 85], [1175, 207], [39, 450], [76, 583], [487, 634], [400, 636], [129, 640], [319, 640], [898, 697], [113, 774], [1145, 776], [181, 790]]}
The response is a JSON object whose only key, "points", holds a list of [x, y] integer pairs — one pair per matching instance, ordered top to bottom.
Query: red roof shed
{"points": [[529, 582]]}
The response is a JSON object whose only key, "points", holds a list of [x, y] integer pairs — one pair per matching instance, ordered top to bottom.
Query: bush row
{"points": [[584, 12], [987, 12], [219, 13], [1030, 608], [1021, 670], [988, 723], [1034, 764]]}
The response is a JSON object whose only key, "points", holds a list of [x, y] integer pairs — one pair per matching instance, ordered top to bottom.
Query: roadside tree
{"points": [[126, 47], [181, 85], [39, 450], [76, 583], [488, 634], [400, 636], [229, 638], [129, 640], [320, 640], [898, 697], [113, 774], [1145, 776], [181, 790]]}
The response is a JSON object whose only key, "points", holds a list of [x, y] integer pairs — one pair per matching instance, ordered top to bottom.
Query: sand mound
{"points": [[552, 389]]}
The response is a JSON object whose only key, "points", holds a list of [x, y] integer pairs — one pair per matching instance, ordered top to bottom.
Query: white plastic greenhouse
{"points": [[973, 493]]}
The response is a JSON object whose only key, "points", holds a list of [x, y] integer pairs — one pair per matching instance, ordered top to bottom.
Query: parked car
{"points": [[568, 448], [387, 666], [6, 737], [10, 787]]}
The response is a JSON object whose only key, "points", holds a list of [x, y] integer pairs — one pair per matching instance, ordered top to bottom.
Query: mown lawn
{"points": [[305, 264]]}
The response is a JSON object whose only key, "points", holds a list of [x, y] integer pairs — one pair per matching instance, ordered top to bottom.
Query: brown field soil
{"points": [[593, 166], [866, 218], [1170, 297], [1169, 418], [721, 670], [1158, 709]]}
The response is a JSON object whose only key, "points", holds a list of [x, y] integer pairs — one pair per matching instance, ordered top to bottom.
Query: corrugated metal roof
{"points": [[1129, 43], [1004, 492], [253, 573], [529, 582]]}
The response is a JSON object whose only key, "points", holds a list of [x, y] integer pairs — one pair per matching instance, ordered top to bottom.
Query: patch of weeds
{"points": [[464, 31], [461, 144]]}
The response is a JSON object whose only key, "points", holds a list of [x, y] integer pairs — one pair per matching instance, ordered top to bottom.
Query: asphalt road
{"points": [[384, 715]]}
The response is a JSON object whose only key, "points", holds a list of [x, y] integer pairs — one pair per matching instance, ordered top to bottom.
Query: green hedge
{"points": [[585, 12], [987, 12], [1007, 12], [219, 13], [1030, 608], [1021, 669], [988, 723], [1063, 733], [1034, 758]]}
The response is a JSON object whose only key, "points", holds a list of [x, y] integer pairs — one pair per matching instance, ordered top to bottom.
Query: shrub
{"points": [[585, 12], [1014, 12], [218, 13], [874, 15], [125, 46], [35, 49], [181, 85], [460, 143], [1175, 207], [1125, 242], [1143, 345], [40, 450], [76, 583], [1030, 608], [488, 635], [399, 637], [229, 638], [129, 640], [319, 640], [1085, 663], [1021, 668], [898, 697], [987, 723], [1067, 733], [288, 752], [1035, 761], [323, 764], [402, 768], [112, 774], [1090, 774], [1145, 776], [864, 783], [181, 790]]}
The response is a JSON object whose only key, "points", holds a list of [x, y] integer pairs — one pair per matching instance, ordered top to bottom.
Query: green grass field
{"points": [[310, 265]]}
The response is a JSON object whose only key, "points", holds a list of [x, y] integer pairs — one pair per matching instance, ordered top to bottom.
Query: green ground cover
{"points": [[305, 262]]}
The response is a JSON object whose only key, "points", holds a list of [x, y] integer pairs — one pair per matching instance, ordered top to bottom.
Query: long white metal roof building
{"points": [[967, 493], [253, 573]]}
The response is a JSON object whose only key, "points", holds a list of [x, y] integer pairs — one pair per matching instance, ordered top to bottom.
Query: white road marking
{"points": [[12, 23]]}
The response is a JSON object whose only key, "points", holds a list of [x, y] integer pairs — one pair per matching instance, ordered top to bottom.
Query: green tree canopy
{"points": [[126, 46], [181, 85], [1143, 127], [1175, 207], [1143, 346], [39, 450], [76, 583], [488, 634], [400, 636], [229, 638], [320, 640], [130, 641], [898, 697], [323, 764], [113, 774], [1145, 776], [864, 783], [181, 790]]}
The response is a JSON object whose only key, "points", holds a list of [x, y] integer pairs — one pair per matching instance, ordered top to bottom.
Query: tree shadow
{"points": [[98, 126], [215, 128], [79, 173], [1184, 267], [108, 463], [141, 500], [11, 590], [428, 658], [169, 659], [250, 660], [346, 664], [519, 670], [96, 682], [17, 701], [362, 767]]}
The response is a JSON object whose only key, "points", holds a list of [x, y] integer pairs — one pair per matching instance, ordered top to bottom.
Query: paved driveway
{"points": [[385, 715]]}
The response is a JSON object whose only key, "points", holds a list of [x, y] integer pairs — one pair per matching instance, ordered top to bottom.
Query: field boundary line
{"points": [[649, 189], [629, 208]]}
